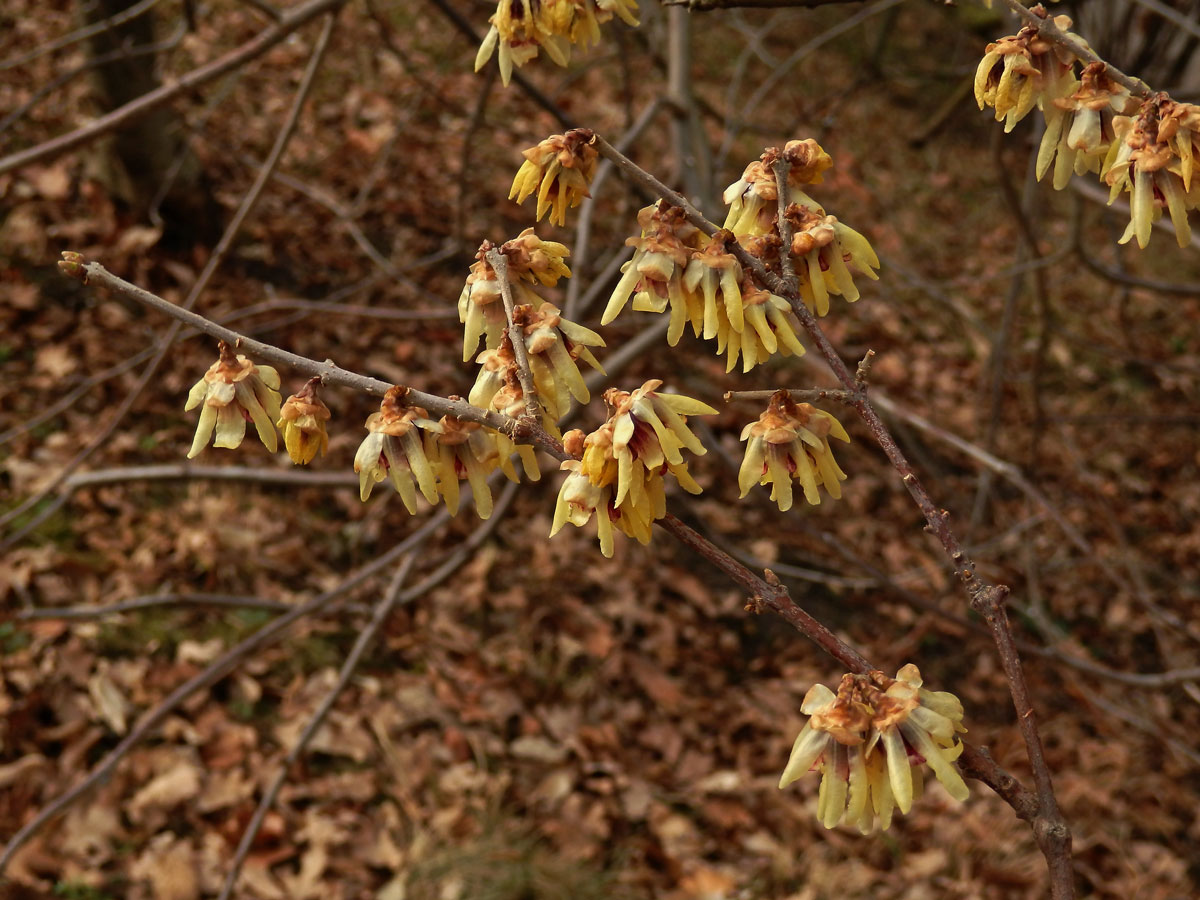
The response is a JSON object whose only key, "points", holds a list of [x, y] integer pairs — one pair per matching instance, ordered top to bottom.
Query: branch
{"points": [[80, 34], [516, 334], [328, 371], [767, 591], [149, 602], [1050, 829]]}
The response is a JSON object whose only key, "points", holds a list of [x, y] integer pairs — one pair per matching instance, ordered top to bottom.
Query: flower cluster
{"points": [[521, 27], [1025, 70], [1093, 124], [1152, 158], [559, 170], [825, 252], [676, 268], [481, 303], [235, 391], [302, 420], [790, 441], [395, 448], [619, 475], [870, 740]]}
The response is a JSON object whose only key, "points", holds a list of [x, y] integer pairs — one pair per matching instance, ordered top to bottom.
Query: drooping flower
{"points": [[521, 27], [1024, 70], [1079, 126], [1152, 158], [559, 170], [753, 199], [825, 252], [654, 276], [712, 281], [770, 327], [553, 344], [235, 391], [302, 420], [650, 429], [790, 441], [394, 448], [463, 450], [619, 476], [833, 740], [870, 740]]}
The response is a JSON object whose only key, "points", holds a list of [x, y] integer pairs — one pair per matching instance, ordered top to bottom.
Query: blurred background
{"points": [[534, 721]]}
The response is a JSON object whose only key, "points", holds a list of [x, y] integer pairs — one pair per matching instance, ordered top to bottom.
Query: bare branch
{"points": [[80, 34]]}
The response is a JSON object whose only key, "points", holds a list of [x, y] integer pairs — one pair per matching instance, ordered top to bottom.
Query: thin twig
{"points": [[80, 34], [781, 167], [329, 372], [150, 601]]}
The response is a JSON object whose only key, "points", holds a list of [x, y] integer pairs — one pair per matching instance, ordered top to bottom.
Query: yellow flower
{"points": [[521, 27], [1024, 70], [1079, 126], [1152, 158], [559, 170], [753, 199], [825, 250], [532, 259], [713, 275], [654, 276], [770, 327], [553, 344], [234, 391], [302, 420], [791, 441], [393, 448], [463, 450], [619, 476], [869, 741]]}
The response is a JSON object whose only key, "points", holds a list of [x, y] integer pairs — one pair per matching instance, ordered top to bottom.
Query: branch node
{"points": [[74, 265], [864, 366]]}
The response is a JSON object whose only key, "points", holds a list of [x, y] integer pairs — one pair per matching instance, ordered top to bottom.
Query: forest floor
{"points": [[545, 722]]}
